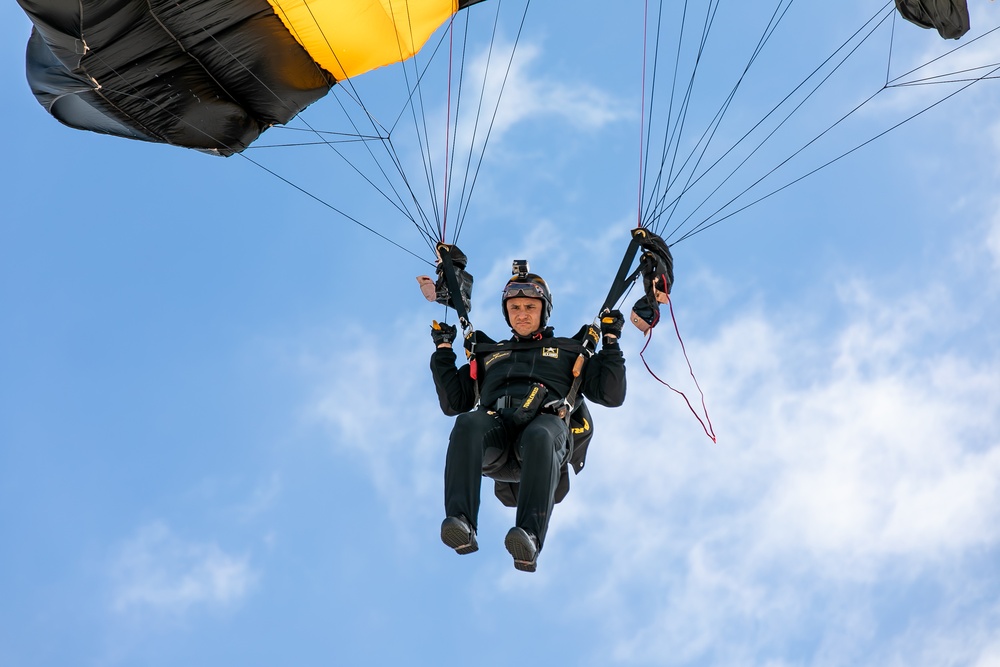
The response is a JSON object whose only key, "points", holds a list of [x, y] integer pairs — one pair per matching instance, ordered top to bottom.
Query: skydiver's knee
{"points": [[475, 420], [472, 426], [546, 427], [543, 436]]}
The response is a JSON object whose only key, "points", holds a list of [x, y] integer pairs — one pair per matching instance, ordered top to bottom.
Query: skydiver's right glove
{"points": [[612, 322], [443, 333]]}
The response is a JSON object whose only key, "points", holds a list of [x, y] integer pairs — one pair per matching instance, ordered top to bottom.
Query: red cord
{"points": [[642, 120], [447, 131], [706, 424], [709, 429]]}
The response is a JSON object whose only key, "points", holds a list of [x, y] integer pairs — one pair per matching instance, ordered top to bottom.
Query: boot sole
{"points": [[458, 539], [522, 548]]}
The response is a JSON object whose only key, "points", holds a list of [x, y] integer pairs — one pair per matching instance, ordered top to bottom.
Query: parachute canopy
{"points": [[949, 17], [210, 74]]}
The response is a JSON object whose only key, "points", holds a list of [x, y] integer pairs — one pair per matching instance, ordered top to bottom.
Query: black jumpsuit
{"points": [[484, 442]]}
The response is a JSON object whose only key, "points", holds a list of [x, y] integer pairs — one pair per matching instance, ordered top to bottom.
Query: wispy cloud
{"points": [[927, 69], [517, 90], [529, 94], [993, 241], [364, 401], [853, 466], [262, 498], [157, 571]]}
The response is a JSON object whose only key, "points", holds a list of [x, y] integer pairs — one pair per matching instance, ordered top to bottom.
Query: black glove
{"points": [[645, 314], [612, 322], [442, 332]]}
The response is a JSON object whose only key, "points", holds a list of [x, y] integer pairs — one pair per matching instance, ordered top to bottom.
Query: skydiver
{"points": [[508, 425]]}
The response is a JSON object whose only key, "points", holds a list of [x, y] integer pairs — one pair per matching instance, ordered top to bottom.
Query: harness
{"points": [[656, 266], [479, 346]]}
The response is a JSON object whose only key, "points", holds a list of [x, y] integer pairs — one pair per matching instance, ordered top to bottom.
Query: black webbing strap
{"points": [[657, 254], [448, 270], [622, 279], [619, 286], [571, 345], [589, 345]]}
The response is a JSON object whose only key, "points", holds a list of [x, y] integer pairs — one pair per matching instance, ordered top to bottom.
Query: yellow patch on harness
{"points": [[496, 356]]}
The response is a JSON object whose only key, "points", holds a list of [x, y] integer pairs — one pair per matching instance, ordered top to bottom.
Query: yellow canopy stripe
{"points": [[350, 37]]}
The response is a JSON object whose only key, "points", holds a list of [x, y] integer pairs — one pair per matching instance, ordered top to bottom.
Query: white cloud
{"points": [[921, 57], [524, 94], [528, 94], [993, 241], [365, 399], [869, 460], [262, 498], [157, 571], [990, 656]]}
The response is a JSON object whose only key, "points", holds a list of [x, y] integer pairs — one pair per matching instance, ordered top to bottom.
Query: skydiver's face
{"points": [[525, 315]]}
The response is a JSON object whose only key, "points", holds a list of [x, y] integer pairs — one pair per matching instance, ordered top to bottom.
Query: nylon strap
{"points": [[448, 269], [622, 279], [567, 344], [588, 350]]}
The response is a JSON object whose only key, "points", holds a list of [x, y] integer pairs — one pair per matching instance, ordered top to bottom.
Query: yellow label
{"points": [[551, 352], [496, 356], [531, 397]]}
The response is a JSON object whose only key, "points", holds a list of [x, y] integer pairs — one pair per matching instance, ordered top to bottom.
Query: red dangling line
{"points": [[642, 119], [447, 132], [706, 423], [709, 429]]}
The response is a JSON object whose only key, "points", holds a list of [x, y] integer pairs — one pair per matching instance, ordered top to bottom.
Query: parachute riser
{"points": [[656, 265], [452, 290]]}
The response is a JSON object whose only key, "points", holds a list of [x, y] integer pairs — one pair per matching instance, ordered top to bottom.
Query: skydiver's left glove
{"points": [[612, 322], [443, 333]]}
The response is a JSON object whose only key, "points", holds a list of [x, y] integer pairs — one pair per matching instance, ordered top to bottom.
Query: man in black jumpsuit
{"points": [[510, 436]]}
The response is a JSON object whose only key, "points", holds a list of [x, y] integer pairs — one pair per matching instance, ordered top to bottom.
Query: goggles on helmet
{"points": [[523, 289]]}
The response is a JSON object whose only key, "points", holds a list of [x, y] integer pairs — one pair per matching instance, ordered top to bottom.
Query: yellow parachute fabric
{"points": [[351, 38]]}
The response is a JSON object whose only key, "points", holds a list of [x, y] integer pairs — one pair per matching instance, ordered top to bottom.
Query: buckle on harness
{"points": [[504, 402], [560, 407]]}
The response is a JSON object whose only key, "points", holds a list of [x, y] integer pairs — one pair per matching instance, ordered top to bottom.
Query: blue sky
{"points": [[219, 441]]}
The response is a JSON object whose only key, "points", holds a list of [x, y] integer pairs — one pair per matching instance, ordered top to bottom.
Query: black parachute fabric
{"points": [[949, 17], [189, 74], [210, 74]]}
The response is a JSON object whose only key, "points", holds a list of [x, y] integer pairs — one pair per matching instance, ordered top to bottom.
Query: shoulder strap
{"points": [[590, 338], [568, 344]]}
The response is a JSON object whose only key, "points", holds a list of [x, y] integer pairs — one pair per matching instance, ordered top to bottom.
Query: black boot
{"points": [[459, 535], [523, 546]]}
